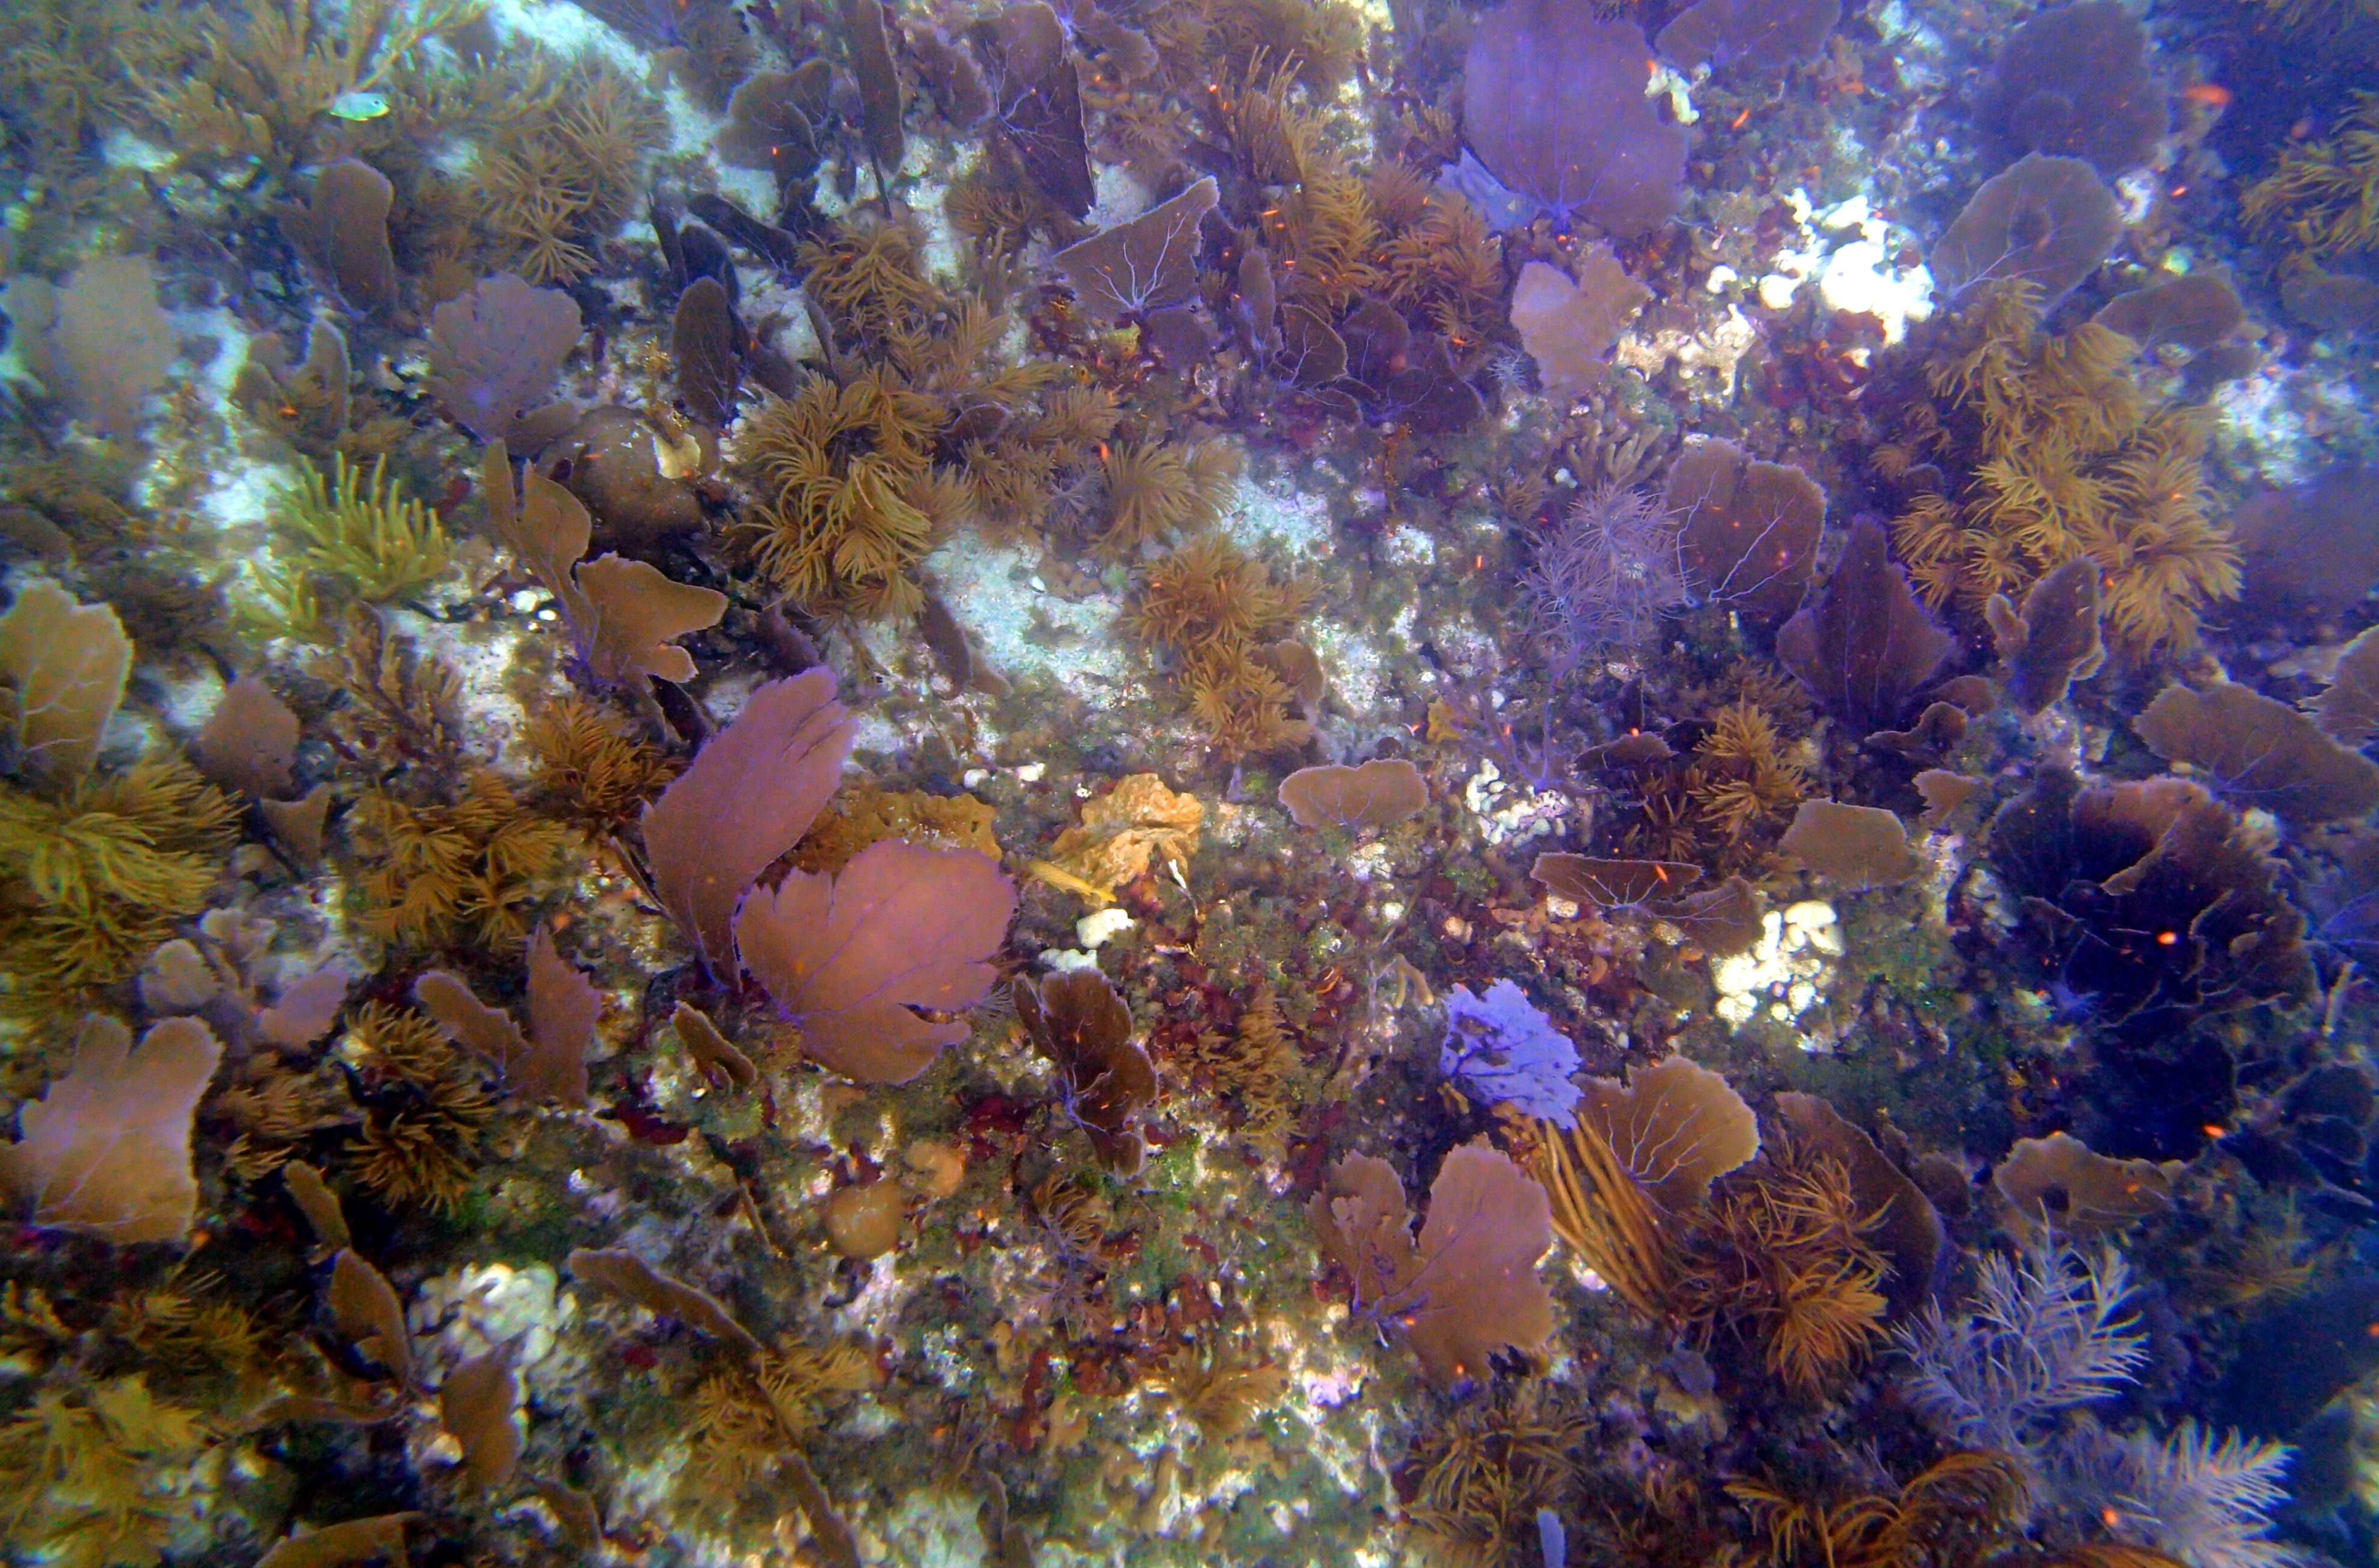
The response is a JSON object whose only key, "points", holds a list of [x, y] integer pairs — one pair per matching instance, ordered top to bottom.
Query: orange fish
{"points": [[2211, 95]]}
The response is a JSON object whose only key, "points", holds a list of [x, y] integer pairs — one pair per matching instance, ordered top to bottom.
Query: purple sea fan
{"points": [[1554, 105], [1603, 577], [1508, 1053]]}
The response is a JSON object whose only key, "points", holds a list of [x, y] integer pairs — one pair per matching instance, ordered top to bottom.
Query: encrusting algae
{"points": [[1223, 782]]}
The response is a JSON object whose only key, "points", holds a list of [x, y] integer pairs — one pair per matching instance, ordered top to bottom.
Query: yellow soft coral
{"points": [[2324, 195], [2063, 456]]}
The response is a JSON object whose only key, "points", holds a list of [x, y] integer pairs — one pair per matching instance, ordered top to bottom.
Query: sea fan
{"points": [[2045, 1333], [2205, 1500]]}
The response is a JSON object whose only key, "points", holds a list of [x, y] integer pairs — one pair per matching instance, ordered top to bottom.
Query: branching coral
{"points": [[2324, 195], [2060, 457], [1212, 608], [400, 703], [443, 874], [91, 882], [423, 1108], [2046, 1333]]}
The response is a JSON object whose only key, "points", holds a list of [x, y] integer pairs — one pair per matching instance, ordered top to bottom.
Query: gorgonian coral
{"points": [[2075, 80], [1554, 105], [2324, 195], [2045, 222], [2056, 453], [1602, 578], [2148, 901]]}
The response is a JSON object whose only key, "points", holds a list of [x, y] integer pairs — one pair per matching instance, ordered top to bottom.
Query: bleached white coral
{"points": [[2046, 1333], [2203, 1498]]}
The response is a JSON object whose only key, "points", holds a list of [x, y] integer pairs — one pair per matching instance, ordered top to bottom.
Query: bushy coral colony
{"points": [[1190, 781]]}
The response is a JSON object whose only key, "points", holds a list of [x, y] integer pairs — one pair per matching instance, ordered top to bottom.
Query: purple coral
{"points": [[1764, 36], [1554, 107], [2043, 220], [493, 353], [1603, 577], [1504, 1049]]}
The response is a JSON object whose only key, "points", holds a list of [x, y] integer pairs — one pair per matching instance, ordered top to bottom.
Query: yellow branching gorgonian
{"points": [[2054, 452]]}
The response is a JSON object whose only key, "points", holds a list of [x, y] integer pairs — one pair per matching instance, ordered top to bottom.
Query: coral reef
{"points": [[1187, 781]]}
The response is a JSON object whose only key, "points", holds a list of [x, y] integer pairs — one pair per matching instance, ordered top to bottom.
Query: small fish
{"points": [[2213, 95], [359, 106]]}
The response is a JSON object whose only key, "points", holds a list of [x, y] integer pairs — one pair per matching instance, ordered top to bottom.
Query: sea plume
{"points": [[1603, 577], [2046, 1333], [2205, 1500]]}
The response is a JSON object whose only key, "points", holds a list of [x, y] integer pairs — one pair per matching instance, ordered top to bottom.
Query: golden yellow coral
{"points": [[1318, 41], [262, 88], [556, 180], [2324, 195], [996, 208], [1450, 264], [869, 277], [2063, 458], [841, 474], [1157, 489], [849, 495], [357, 535], [1208, 595], [1212, 608], [1243, 705], [593, 770], [1741, 777], [862, 814], [1122, 831], [444, 874], [90, 884], [1259, 1068], [422, 1120], [1781, 1256], [181, 1328], [1218, 1393], [742, 1422], [89, 1475], [1483, 1476]]}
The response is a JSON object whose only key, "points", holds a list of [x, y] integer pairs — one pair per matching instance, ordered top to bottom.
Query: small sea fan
{"points": [[1603, 577]]}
